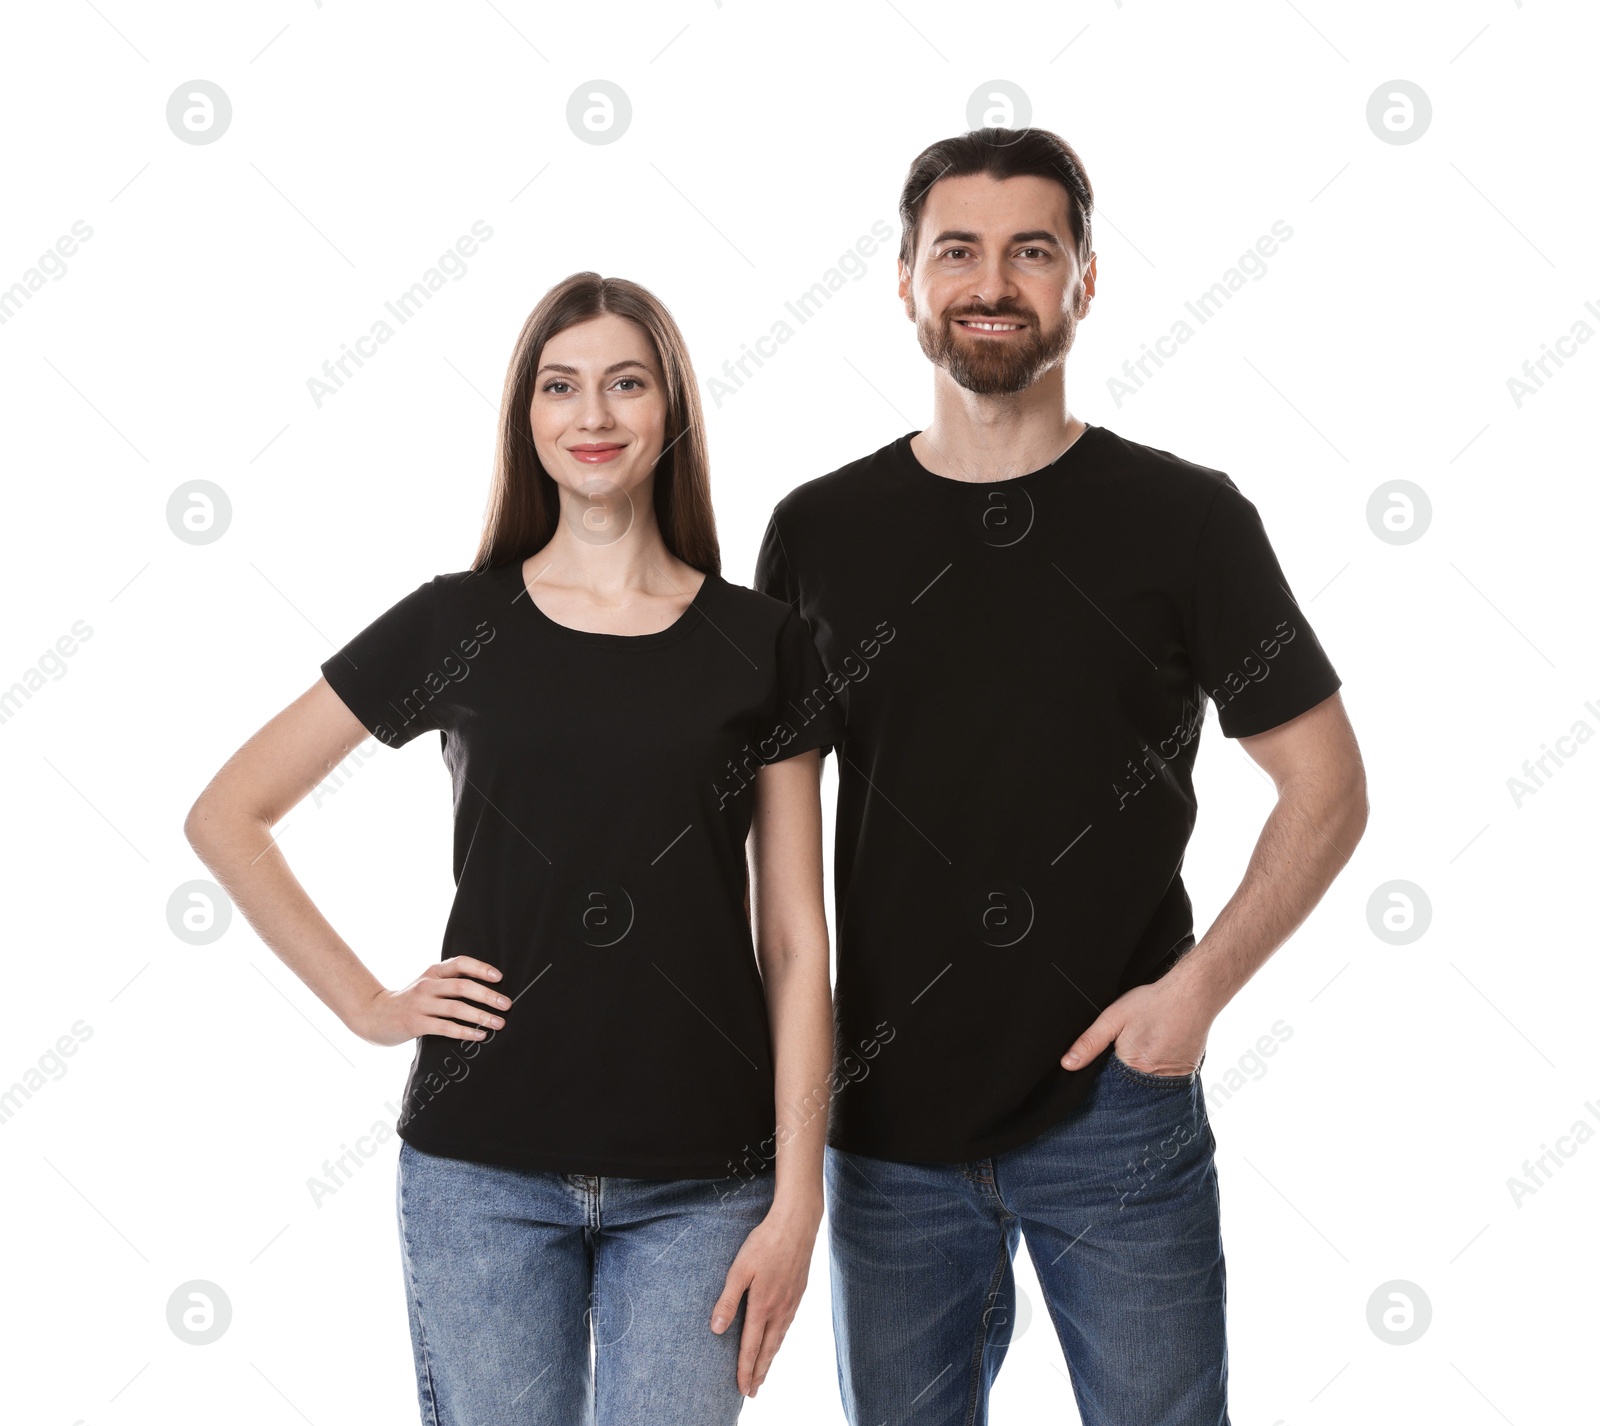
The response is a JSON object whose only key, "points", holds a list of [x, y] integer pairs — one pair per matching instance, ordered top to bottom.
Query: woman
{"points": [[594, 1133]]}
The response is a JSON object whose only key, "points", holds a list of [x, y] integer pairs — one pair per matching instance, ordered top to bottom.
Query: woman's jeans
{"points": [[1118, 1205], [506, 1271]]}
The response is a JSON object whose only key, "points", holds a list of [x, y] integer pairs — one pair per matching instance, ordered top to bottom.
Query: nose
{"points": [[594, 412]]}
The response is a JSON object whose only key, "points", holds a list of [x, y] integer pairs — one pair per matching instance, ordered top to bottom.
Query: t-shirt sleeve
{"points": [[773, 575], [1252, 647], [385, 673], [805, 711]]}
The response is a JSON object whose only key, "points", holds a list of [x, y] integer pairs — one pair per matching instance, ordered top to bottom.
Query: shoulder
{"points": [[1148, 472], [822, 495], [468, 582], [468, 604], [756, 612]]}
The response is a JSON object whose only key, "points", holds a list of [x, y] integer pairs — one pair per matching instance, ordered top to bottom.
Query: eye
{"points": [[953, 252], [634, 379], [551, 385]]}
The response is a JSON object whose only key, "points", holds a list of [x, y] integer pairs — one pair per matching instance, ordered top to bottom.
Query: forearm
{"points": [[1306, 841], [241, 854], [800, 1012]]}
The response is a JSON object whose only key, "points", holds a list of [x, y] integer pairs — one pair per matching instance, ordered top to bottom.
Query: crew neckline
{"points": [[909, 460], [685, 623]]}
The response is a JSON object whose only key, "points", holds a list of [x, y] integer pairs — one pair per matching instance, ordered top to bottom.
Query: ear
{"points": [[904, 289], [1086, 292]]}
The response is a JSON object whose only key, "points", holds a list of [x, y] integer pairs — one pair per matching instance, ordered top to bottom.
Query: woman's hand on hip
{"points": [[436, 1003]]}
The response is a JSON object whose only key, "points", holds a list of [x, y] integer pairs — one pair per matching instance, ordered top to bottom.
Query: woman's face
{"points": [[599, 413]]}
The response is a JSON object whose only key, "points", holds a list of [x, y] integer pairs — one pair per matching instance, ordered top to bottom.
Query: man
{"points": [[1023, 615]]}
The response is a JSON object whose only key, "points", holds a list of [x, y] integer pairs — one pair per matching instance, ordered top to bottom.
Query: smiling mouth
{"points": [[980, 324], [597, 451]]}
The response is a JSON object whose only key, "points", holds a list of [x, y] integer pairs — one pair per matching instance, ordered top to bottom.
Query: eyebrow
{"points": [[1039, 235], [616, 366]]}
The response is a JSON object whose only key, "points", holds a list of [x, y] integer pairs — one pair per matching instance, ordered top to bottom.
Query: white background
{"points": [[765, 140]]}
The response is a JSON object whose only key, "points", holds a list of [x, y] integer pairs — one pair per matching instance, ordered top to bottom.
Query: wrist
{"points": [[1197, 985], [358, 1007], [801, 1206]]}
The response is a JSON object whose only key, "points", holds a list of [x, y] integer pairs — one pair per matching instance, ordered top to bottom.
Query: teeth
{"points": [[992, 326]]}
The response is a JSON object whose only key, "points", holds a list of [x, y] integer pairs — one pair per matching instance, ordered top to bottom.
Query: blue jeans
{"points": [[1118, 1206], [506, 1271]]}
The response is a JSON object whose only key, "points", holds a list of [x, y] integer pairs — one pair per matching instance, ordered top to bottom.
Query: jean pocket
{"points": [[1139, 1076]]}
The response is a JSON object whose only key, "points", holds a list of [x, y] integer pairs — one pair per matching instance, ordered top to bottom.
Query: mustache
{"points": [[991, 315]]}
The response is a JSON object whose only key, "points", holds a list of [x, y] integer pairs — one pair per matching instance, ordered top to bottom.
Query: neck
{"points": [[976, 437], [637, 558]]}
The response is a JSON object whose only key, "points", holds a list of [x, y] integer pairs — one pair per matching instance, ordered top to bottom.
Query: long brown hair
{"points": [[525, 503]]}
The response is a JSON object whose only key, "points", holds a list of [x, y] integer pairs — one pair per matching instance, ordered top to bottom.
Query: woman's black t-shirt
{"points": [[603, 790]]}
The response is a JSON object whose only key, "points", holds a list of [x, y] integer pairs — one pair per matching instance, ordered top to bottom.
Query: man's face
{"points": [[996, 291]]}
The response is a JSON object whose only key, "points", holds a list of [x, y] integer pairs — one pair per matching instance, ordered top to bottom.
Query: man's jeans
{"points": [[1118, 1206], [505, 1270]]}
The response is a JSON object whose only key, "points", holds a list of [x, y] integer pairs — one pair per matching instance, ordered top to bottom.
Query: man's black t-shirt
{"points": [[1024, 665], [603, 789]]}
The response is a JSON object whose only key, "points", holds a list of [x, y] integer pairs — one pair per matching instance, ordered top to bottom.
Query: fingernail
{"points": [[718, 1323]]}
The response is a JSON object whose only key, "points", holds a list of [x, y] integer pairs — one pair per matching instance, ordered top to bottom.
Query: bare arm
{"points": [[1320, 815], [230, 828], [791, 936]]}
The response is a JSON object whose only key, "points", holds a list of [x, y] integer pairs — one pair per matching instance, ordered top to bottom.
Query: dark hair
{"points": [[1001, 154], [525, 503]]}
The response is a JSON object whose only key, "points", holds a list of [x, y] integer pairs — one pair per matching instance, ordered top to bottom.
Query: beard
{"points": [[991, 367]]}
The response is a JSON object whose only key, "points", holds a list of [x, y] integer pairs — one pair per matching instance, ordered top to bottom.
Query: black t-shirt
{"points": [[1024, 665], [602, 789]]}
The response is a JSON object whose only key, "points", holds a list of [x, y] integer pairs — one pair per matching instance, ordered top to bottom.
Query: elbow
{"points": [[1356, 806], [195, 826], [204, 827]]}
